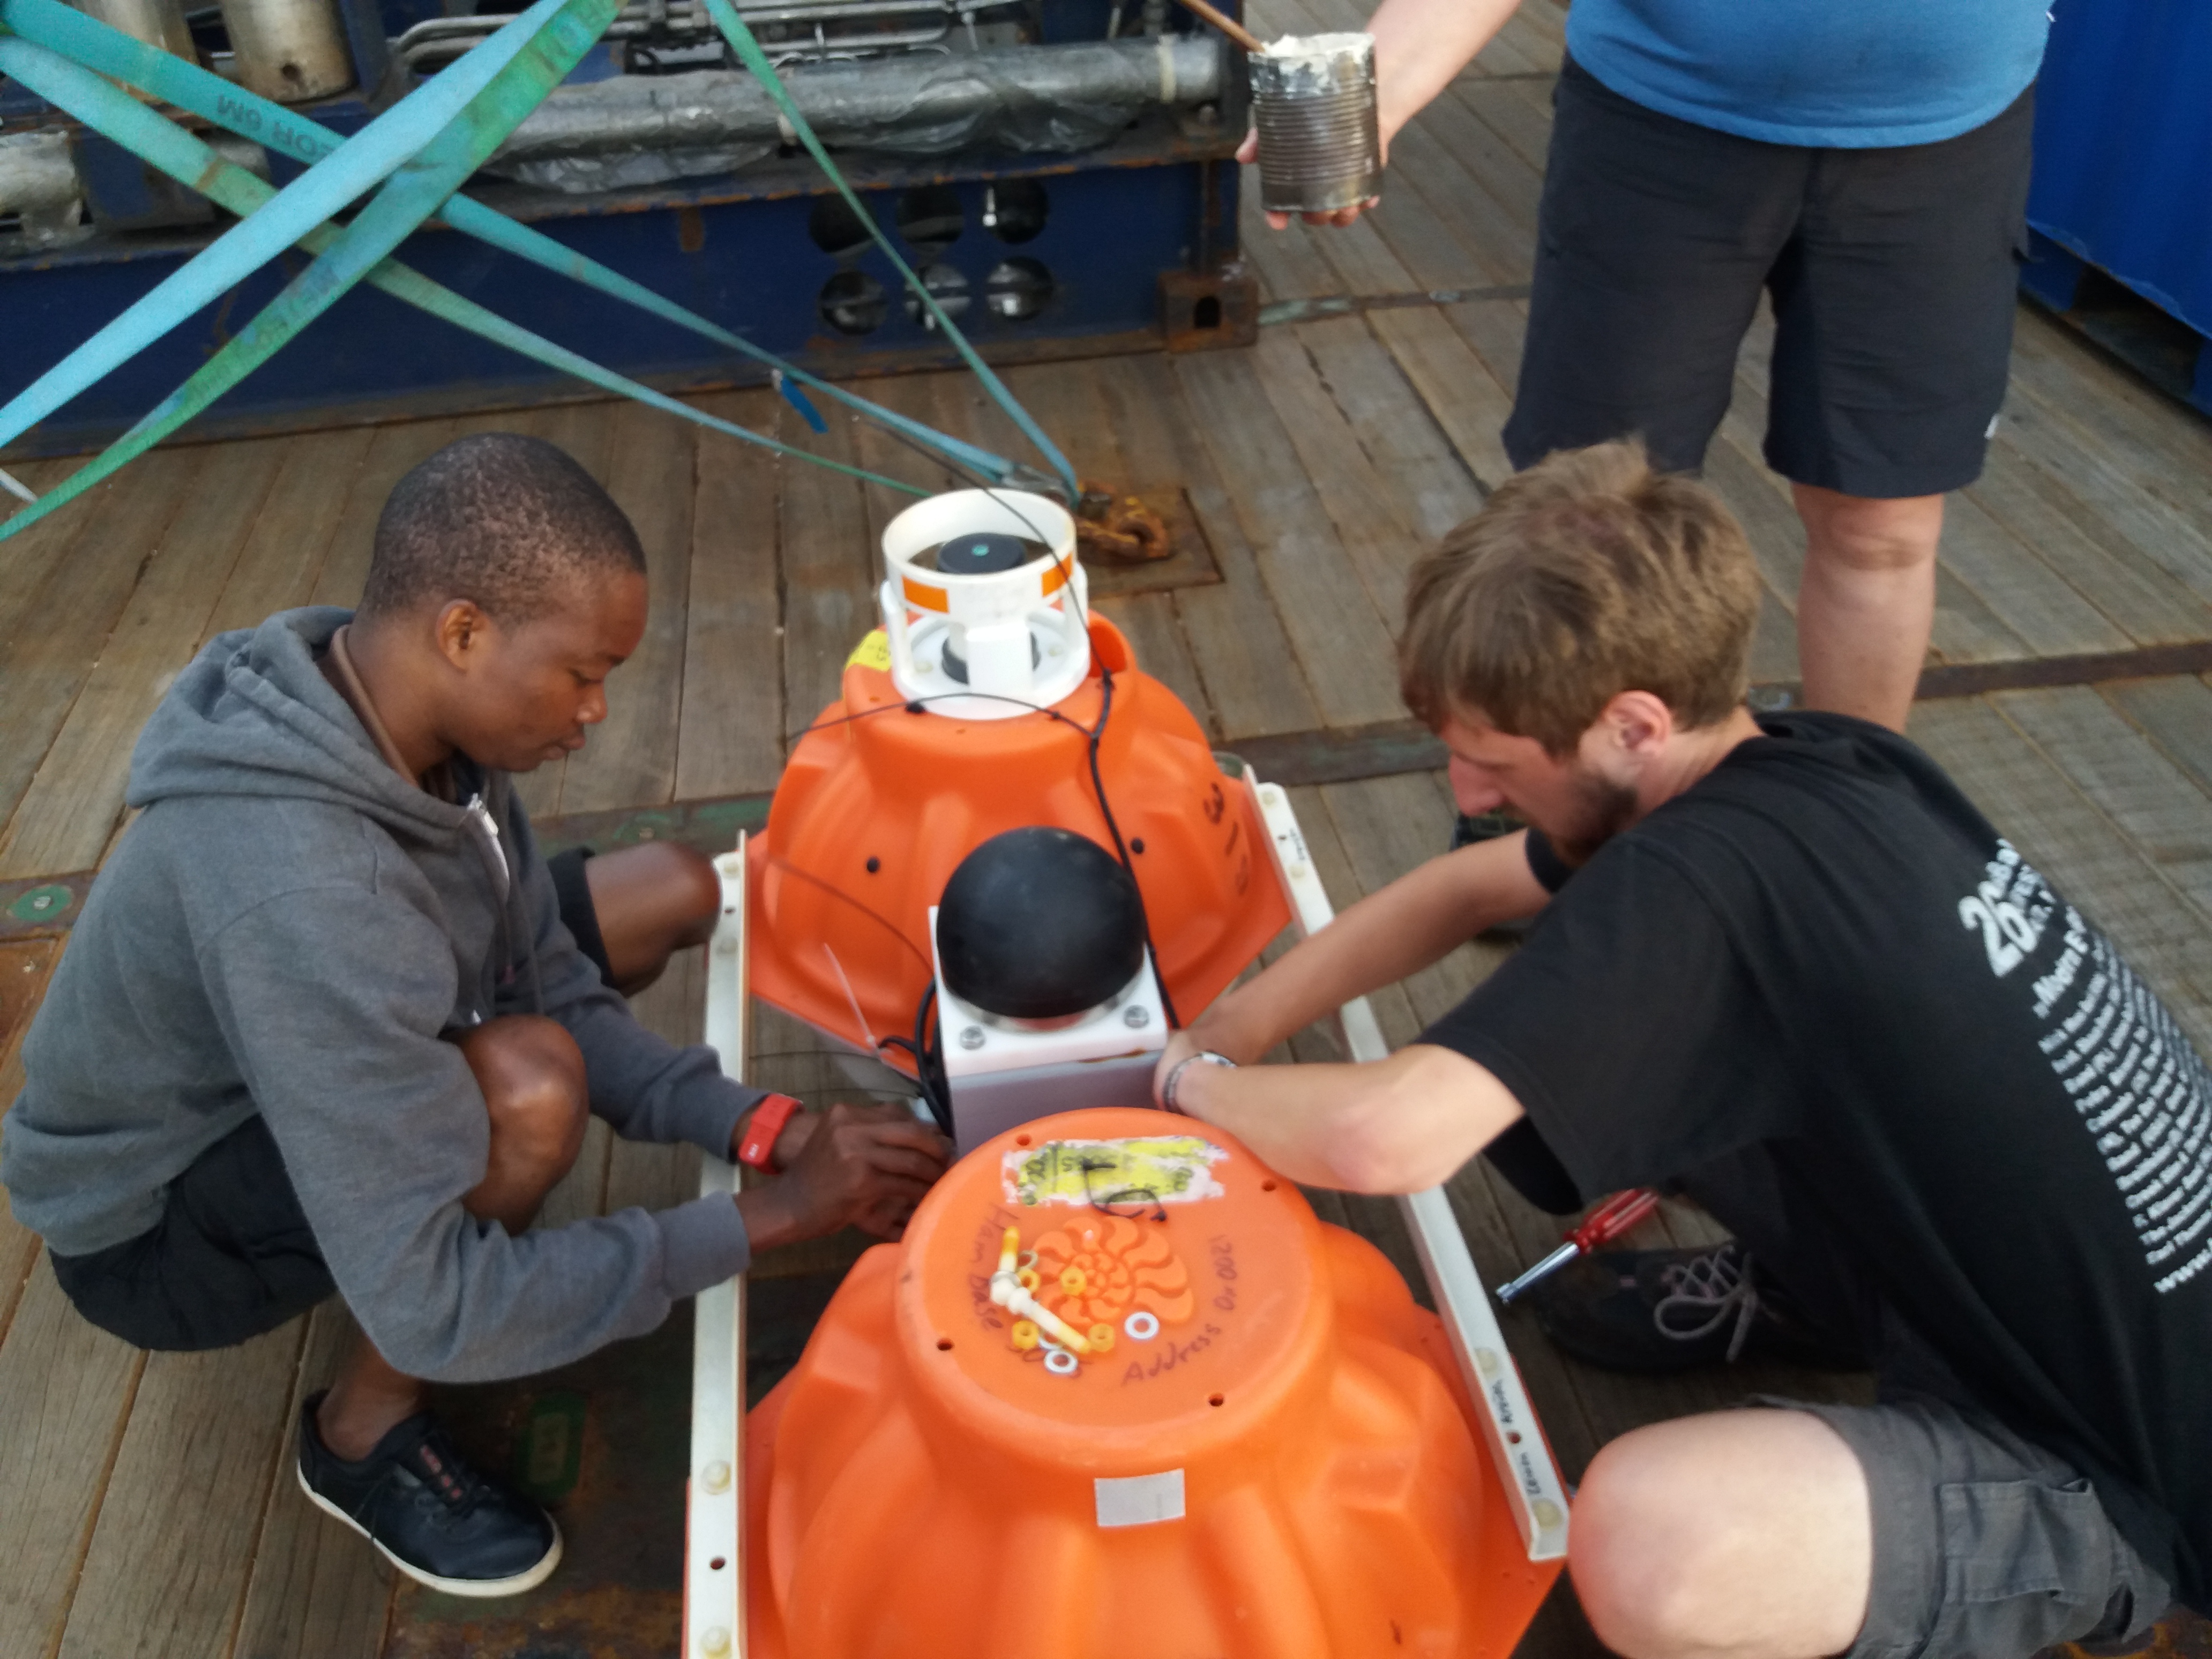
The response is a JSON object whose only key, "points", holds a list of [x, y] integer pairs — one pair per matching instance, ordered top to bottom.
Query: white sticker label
{"points": [[1139, 1500]]}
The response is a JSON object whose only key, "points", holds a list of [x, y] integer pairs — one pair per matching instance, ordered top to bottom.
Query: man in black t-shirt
{"points": [[1786, 962]]}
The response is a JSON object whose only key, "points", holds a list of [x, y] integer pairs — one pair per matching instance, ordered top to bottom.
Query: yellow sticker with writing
{"points": [[874, 652], [1140, 1169]]}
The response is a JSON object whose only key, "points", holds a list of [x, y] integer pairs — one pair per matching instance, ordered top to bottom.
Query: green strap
{"points": [[740, 37], [89, 42], [551, 45], [156, 139], [374, 154]]}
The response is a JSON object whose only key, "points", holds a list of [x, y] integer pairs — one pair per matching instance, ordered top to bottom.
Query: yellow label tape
{"points": [[873, 651], [1142, 1169]]}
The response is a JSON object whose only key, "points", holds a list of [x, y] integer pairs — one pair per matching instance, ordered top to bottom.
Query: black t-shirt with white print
{"points": [[1821, 958]]}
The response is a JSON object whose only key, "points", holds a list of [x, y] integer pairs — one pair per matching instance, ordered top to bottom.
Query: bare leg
{"points": [[1866, 601], [653, 900], [533, 1078], [1745, 1535]]}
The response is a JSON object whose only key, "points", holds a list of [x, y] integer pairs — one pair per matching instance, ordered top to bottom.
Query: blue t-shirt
{"points": [[1839, 74]]}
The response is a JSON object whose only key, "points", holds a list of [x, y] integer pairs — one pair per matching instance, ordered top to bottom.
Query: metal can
{"points": [[157, 22], [288, 50], [1313, 101]]}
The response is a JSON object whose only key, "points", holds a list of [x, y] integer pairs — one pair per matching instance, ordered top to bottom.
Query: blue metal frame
{"points": [[748, 263]]}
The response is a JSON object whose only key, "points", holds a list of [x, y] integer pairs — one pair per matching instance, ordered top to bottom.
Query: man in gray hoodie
{"points": [[322, 1025]]}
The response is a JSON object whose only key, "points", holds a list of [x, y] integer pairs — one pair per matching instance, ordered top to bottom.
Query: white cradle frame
{"points": [[714, 1563]]}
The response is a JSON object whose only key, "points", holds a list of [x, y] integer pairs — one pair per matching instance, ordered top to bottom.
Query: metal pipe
{"points": [[157, 22], [289, 51], [713, 107]]}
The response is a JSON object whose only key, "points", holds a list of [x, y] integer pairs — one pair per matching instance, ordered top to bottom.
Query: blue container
{"points": [[2123, 157]]}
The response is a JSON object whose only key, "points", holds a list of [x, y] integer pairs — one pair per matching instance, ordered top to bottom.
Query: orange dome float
{"points": [[917, 763], [1119, 1390]]}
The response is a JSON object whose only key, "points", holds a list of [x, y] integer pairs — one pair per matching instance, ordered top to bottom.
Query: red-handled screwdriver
{"points": [[1601, 1226]]}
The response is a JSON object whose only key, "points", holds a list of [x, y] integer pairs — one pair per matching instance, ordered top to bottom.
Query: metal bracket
{"points": [[1515, 1439], [714, 1495]]}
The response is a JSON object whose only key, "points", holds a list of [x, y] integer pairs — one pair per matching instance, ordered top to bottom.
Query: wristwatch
{"points": [[1174, 1076], [762, 1130]]}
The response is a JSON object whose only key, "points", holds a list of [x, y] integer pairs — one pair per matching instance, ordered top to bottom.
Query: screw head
{"points": [[1136, 1017], [971, 1036]]}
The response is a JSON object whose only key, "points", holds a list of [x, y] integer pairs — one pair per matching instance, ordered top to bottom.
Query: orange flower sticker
{"points": [[1094, 1272]]}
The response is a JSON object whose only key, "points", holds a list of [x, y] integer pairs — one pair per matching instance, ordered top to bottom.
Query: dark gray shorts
{"points": [[1892, 273], [1984, 1545]]}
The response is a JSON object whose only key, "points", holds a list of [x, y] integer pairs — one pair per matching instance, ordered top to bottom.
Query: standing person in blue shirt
{"points": [[1865, 164]]}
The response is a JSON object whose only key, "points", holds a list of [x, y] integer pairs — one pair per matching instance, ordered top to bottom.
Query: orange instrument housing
{"points": [[878, 806], [1265, 1453]]}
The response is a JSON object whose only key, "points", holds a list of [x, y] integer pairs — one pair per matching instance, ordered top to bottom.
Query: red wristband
{"points": [[762, 1130]]}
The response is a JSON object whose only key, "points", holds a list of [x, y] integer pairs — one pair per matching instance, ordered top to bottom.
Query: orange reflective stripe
{"points": [[928, 599]]}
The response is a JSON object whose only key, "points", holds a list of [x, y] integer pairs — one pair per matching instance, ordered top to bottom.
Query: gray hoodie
{"points": [[288, 928]]}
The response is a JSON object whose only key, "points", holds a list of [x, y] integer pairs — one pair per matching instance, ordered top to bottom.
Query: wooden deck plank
{"points": [[1520, 113], [1464, 120], [1431, 202], [1289, 263], [1493, 330], [1457, 387], [393, 452], [2168, 457], [2109, 487], [1429, 489], [1369, 518], [284, 555], [29, 558], [828, 572], [2142, 599], [2039, 607], [1154, 630], [1343, 644], [51, 648], [1239, 651], [2175, 712], [730, 730], [630, 760], [2163, 812], [65, 817], [2079, 850], [26, 970], [65, 1390], [167, 1571], [317, 1589]]}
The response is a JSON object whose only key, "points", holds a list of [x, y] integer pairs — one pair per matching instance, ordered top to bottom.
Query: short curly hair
{"points": [[498, 518], [1587, 575]]}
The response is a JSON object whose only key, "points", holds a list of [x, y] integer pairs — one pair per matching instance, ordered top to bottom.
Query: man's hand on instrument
{"points": [[862, 1166]]}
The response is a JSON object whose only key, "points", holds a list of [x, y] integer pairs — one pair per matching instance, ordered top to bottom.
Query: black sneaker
{"points": [[1672, 1310], [429, 1513]]}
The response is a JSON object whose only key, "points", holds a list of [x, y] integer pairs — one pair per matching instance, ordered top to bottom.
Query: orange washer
{"points": [[879, 805], [1273, 1459]]}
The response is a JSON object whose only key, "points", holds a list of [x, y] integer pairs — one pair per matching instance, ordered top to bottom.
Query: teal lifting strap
{"points": [[86, 40], [548, 41], [741, 41], [153, 138], [330, 185]]}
